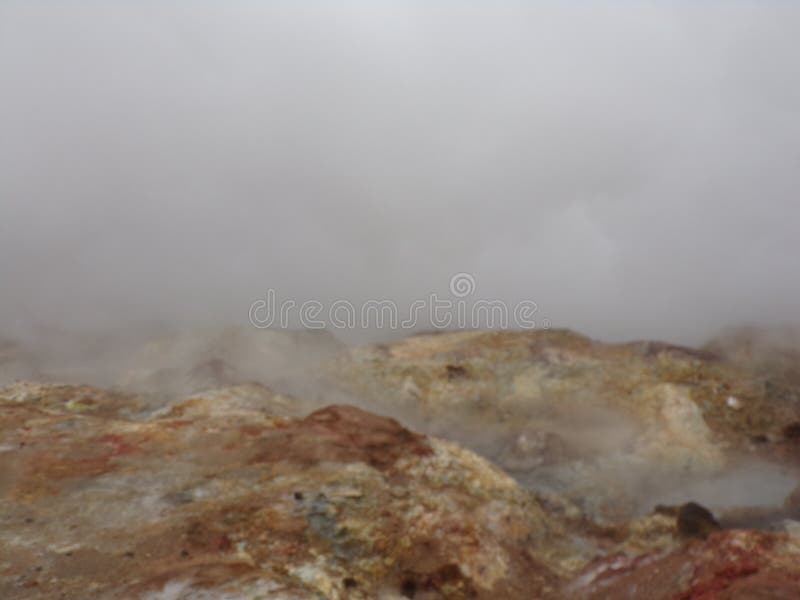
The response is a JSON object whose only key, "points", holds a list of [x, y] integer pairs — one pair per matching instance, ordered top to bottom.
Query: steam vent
{"points": [[399, 299], [486, 465]]}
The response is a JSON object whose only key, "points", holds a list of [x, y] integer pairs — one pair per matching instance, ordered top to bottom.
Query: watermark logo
{"points": [[462, 285], [458, 310]]}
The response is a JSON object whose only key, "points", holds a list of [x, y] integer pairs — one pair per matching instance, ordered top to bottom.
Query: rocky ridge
{"points": [[380, 481]]}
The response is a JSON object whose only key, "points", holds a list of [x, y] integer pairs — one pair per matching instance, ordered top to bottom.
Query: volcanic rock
{"points": [[629, 422], [222, 496]]}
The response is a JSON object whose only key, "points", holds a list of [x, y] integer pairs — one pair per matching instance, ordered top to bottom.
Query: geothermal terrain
{"points": [[238, 463]]}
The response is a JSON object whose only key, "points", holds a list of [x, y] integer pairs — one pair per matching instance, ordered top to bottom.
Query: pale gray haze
{"points": [[632, 167]]}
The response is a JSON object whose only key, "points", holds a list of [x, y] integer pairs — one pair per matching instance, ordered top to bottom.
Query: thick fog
{"points": [[630, 167]]}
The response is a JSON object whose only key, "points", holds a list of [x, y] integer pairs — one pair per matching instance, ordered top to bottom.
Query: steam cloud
{"points": [[631, 168]]}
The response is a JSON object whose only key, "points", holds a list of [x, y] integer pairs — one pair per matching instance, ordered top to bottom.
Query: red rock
{"points": [[729, 564]]}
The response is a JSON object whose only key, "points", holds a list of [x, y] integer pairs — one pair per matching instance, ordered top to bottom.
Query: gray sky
{"points": [[632, 167]]}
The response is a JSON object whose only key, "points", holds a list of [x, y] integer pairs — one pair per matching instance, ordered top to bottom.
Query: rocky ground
{"points": [[451, 465]]}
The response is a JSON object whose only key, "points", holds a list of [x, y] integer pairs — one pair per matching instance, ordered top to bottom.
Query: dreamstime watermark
{"points": [[456, 311]]}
